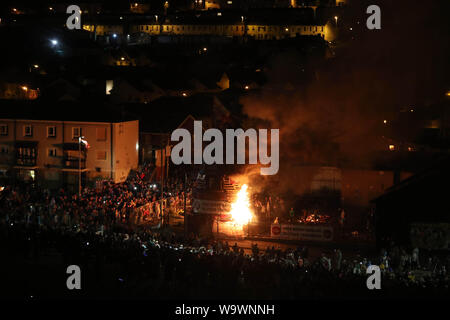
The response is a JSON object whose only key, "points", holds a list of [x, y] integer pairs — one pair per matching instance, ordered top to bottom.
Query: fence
{"points": [[151, 211]]}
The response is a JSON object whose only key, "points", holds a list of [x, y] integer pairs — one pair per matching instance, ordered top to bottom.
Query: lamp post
{"points": [[336, 19], [80, 141], [79, 166], [162, 188], [184, 200]]}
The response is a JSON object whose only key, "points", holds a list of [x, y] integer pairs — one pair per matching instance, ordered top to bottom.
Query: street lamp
{"points": [[336, 19], [80, 141]]}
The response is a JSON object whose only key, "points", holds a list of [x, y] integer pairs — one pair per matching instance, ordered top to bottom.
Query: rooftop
{"points": [[86, 111]]}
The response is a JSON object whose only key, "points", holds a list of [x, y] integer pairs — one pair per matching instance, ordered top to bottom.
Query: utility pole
{"points": [[80, 141], [79, 166], [166, 171], [162, 188], [184, 208]]}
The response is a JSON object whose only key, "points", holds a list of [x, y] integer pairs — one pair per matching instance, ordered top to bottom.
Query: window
{"points": [[3, 129], [28, 131], [51, 132], [76, 132], [101, 134], [4, 150], [52, 152], [101, 155], [26, 156]]}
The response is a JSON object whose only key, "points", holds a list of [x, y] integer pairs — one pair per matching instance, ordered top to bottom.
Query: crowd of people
{"points": [[98, 208], [120, 261], [144, 264]]}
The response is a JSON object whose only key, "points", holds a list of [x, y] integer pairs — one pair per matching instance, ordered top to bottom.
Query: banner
{"points": [[209, 206], [301, 232]]}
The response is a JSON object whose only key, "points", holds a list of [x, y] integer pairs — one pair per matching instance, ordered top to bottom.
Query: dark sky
{"points": [[405, 64]]}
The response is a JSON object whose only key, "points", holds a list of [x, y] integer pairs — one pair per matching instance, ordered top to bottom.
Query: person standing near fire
{"points": [[291, 215], [342, 218]]}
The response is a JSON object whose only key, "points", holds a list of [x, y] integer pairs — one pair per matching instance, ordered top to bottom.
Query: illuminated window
{"points": [[109, 86], [3, 129], [28, 131], [51, 132]]}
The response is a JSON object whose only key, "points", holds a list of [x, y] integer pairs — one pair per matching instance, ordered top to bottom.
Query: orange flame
{"points": [[240, 209]]}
